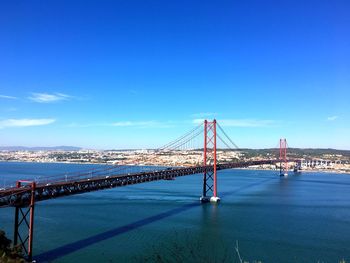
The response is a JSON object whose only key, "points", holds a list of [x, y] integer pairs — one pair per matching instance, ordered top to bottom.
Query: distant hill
{"points": [[53, 148]]}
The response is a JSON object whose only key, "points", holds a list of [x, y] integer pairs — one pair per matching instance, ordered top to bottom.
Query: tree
{"points": [[8, 254]]}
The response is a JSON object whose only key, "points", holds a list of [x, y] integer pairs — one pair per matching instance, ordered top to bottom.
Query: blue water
{"points": [[301, 218]]}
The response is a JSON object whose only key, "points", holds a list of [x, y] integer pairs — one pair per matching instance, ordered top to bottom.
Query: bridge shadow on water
{"points": [[83, 243]]}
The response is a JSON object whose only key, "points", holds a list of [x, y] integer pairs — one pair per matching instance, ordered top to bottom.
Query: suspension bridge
{"points": [[27, 192]]}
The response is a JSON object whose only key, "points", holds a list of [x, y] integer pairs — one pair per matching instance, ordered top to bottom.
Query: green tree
{"points": [[8, 254]]}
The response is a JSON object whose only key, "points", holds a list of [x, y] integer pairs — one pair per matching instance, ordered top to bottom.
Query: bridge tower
{"points": [[283, 158], [209, 162], [22, 212]]}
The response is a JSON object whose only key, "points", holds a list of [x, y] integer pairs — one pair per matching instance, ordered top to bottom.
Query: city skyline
{"points": [[136, 75]]}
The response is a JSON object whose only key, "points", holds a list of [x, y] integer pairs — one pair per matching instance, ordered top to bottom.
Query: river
{"points": [[300, 218]]}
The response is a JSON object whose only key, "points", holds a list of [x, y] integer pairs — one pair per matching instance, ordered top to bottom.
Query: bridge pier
{"points": [[283, 157], [210, 172], [204, 199], [207, 199], [214, 199], [22, 213]]}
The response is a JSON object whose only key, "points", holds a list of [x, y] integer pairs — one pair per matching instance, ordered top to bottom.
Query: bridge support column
{"points": [[283, 158], [210, 172], [22, 213]]}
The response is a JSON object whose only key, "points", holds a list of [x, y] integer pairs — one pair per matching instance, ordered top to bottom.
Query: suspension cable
{"points": [[222, 130], [176, 141]]}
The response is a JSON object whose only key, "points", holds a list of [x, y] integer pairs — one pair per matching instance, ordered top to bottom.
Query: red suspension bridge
{"points": [[26, 193]]}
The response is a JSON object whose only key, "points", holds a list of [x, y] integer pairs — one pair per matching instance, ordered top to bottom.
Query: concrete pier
{"points": [[207, 199], [214, 199]]}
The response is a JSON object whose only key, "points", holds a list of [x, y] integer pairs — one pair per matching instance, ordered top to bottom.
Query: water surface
{"points": [[301, 218]]}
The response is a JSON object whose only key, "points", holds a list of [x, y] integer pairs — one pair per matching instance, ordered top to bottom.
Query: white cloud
{"points": [[7, 97], [48, 98], [332, 118], [24, 122], [246, 123]]}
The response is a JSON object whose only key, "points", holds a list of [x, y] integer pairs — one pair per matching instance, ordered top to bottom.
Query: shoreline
{"points": [[301, 171], [334, 171]]}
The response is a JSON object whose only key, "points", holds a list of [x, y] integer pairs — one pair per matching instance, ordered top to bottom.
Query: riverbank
{"points": [[314, 170]]}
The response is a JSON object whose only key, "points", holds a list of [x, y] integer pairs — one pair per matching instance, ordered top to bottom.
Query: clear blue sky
{"points": [[130, 74]]}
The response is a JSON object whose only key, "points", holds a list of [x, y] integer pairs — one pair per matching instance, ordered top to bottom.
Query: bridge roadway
{"points": [[21, 196]]}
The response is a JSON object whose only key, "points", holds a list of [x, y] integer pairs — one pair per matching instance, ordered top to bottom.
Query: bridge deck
{"points": [[21, 196]]}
